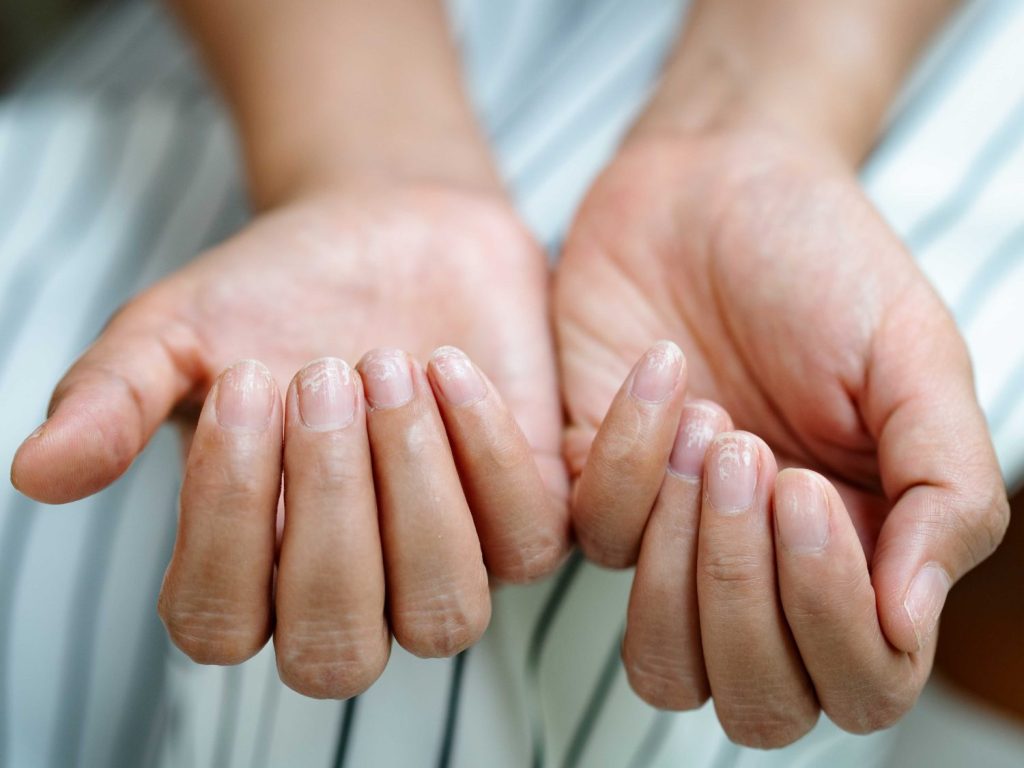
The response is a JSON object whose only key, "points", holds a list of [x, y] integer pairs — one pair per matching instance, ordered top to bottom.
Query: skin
{"points": [[730, 225], [415, 495]]}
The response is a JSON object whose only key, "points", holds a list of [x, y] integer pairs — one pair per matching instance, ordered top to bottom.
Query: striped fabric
{"points": [[117, 165]]}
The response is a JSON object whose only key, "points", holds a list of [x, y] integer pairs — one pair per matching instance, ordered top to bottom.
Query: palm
{"points": [[413, 269], [773, 274]]}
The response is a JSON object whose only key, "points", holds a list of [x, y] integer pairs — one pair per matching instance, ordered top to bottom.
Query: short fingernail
{"points": [[658, 372], [387, 378], [458, 378], [326, 393], [245, 397], [696, 430], [732, 472], [801, 512], [924, 601]]}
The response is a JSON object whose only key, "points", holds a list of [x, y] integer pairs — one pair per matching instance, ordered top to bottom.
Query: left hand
{"points": [[805, 319]]}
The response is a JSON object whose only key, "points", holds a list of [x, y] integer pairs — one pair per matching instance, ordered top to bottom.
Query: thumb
{"points": [[107, 406], [938, 466]]}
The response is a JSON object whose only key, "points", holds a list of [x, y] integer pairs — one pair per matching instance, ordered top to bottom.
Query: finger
{"points": [[107, 406], [938, 466], [624, 469], [523, 530], [437, 588], [216, 595], [331, 637], [662, 650], [862, 682], [761, 692]]}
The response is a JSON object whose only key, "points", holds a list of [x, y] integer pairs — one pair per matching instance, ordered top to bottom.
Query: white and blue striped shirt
{"points": [[117, 165]]}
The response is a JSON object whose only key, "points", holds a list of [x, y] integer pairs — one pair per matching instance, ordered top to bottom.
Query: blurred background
{"points": [[28, 27], [973, 711]]}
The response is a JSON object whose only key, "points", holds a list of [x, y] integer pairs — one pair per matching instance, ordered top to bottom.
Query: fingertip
{"points": [[660, 373], [388, 376], [455, 378], [325, 395], [70, 457], [739, 469], [802, 511], [910, 616]]}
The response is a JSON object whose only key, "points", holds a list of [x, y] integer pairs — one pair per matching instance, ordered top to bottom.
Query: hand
{"points": [[334, 274], [801, 315]]}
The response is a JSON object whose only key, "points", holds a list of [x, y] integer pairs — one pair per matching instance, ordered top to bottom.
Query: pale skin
{"points": [[730, 222]]}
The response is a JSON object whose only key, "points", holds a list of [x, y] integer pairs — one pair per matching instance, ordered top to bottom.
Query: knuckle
{"points": [[507, 452], [623, 454], [331, 470], [235, 484], [996, 518], [976, 519], [606, 551], [539, 557], [732, 570], [813, 606], [443, 626], [212, 631], [325, 660], [662, 683], [875, 708], [761, 727]]}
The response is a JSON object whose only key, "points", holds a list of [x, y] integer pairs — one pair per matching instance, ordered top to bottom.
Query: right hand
{"points": [[412, 267]]}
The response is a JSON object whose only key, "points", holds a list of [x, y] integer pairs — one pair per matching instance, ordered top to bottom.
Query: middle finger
{"points": [[437, 587], [761, 691]]}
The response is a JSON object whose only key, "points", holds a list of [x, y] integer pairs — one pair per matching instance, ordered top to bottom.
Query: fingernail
{"points": [[657, 373], [387, 378], [458, 378], [327, 394], [245, 397], [696, 430], [37, 432], [732, 472], [801, 512], [924, 601]]}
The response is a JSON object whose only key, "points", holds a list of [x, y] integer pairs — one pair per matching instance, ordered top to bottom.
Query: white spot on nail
{"points": [[662, 356], [323, 373], [698, 433], [731, 454]]}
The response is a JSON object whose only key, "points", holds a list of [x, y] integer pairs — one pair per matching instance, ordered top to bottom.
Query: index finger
{"points": [[624, 470]]}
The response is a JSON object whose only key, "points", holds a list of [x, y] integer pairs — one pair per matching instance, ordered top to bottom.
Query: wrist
{"points": [[821, 74], [323, 92], [714, 106], [282, 167]]}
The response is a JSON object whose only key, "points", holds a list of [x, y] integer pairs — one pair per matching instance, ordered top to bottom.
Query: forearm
{"points": [[824, 72], [326, 90]]}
